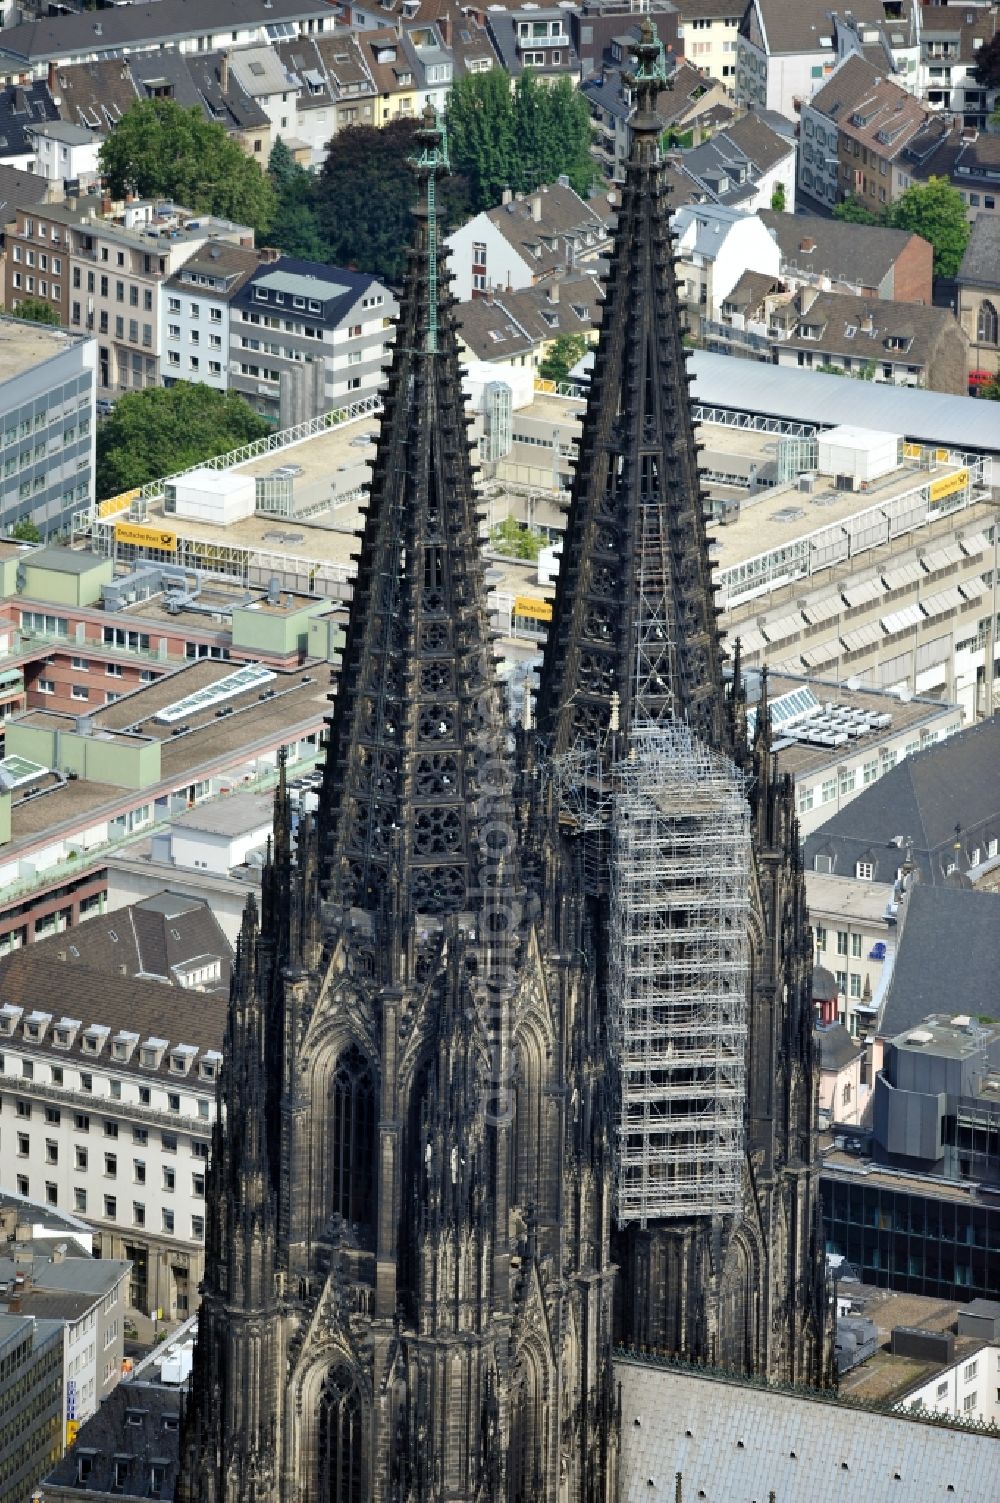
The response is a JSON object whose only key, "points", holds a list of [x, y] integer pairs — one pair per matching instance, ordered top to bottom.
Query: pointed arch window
{"points": [[988, 324], [352, 1138], [340, 1437]]}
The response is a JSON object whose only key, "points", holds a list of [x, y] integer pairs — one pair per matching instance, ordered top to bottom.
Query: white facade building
{"points": [[65, 152], [714, 247], [112, 1121], [968, 1391]]}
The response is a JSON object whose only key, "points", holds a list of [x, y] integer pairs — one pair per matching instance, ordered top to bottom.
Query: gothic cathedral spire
{"points": [[634, 623]]}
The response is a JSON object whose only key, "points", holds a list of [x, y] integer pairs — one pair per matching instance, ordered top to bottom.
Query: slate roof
{"points": [[167, 21], [798, 26], [343, 63], [847, 85], [95, 93], [22, 105], [232, 107], [882, 117], [759, 141], [967, 161], [19, 189], [565, 216], [859, 254], [981, 263], [234, 264], [338, 290], [748, 295], [834, 313], [529, 317], [923, 799], [149, 939], [948, 956], [836, 1047], [90, 1277], [151, 1432]]}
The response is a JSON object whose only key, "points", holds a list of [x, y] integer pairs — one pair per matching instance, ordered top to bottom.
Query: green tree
{"points": [[987, 63], [481, 135], [518, 138], [159, 149], [365, 193], [778, 198], [935, 210], [853, 211], [296, 228], [36, 311], [563, 354], [992, 391], [154, 432], [25, 531], [515, 540]]}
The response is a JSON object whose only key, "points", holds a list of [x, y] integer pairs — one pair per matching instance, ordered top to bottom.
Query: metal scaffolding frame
{"points": [[679, 972]]}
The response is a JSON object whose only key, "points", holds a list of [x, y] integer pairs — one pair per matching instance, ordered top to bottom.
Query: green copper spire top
{"points": [[433, 137]]}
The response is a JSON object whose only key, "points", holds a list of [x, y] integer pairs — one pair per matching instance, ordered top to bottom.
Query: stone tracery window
{"points": [[988, 325], [352, 1138], [341, 1441]]}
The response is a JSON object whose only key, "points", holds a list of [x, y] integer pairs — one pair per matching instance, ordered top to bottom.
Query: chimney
{"points": [[444, 27], [224, 73], [53, 82], [507, 196], [536, 208], [807, 245], [552, 292], [867, 324]]}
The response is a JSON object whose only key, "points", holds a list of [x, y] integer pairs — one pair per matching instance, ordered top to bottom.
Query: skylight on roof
{"points": [[250, 677], [16, 771]]}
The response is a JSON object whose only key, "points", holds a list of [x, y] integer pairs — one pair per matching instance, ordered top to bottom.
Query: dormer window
{"points": [[8, 1018], [94, 1038], [123, 1046], [152, 1052], [181, 1058], [208, 1067]]}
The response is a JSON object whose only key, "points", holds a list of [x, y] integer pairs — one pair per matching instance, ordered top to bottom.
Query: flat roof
{"points": [[24, 344], [812, 397], [65, 560], [213, 743], [802, 759], [235, 814], [848, 897]]}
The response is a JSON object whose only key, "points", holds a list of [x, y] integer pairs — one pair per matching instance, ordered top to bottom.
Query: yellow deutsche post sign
{"points": [[949, 485], [143, 536], [528, 605]]}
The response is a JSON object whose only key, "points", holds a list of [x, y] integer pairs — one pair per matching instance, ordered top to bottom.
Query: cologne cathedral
{"points": [[519, 1064]]}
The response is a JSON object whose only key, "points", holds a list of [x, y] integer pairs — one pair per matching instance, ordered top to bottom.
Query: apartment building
{"points": [[707, 32], [535, 37], [950, 38], [26, 50], [526, 239], [868, 260], [102, 272], [195, 313], [304, 338], [906, 344], [47, 427], [853, 922], [111, 1047], [89, 1295], [31, 1392]]}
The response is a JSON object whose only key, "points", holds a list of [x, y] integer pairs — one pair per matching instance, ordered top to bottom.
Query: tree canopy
{"points": [[987, 63], [518, 138], [161, 150], [935, 210], [853, 211], [37, 311], [563, 354], [162, 429], [25, 531]]}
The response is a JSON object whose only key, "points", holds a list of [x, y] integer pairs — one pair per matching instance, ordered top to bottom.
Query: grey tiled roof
{"points": [[857, 253], [981, 263], [835, 313], [952, 785], [948, 957], [836, 1047], [150, 1434]]}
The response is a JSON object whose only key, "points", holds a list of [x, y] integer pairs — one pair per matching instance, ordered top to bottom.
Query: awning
{"points": [[975, 542], [941, 558], [902, 574], [973, 589], [864, 591], [944, 601], [823, 610], [898, 621], [785, 626], [862, 636], [749, 637], [816, 657]]}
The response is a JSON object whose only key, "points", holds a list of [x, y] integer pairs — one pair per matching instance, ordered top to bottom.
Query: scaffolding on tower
{"points": [[679, 970]]}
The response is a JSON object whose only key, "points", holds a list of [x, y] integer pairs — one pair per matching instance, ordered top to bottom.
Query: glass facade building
{"points": [[905, 1237]]}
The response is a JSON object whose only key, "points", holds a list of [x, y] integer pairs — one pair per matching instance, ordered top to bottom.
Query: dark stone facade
{"points": [[411, 1268]]}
